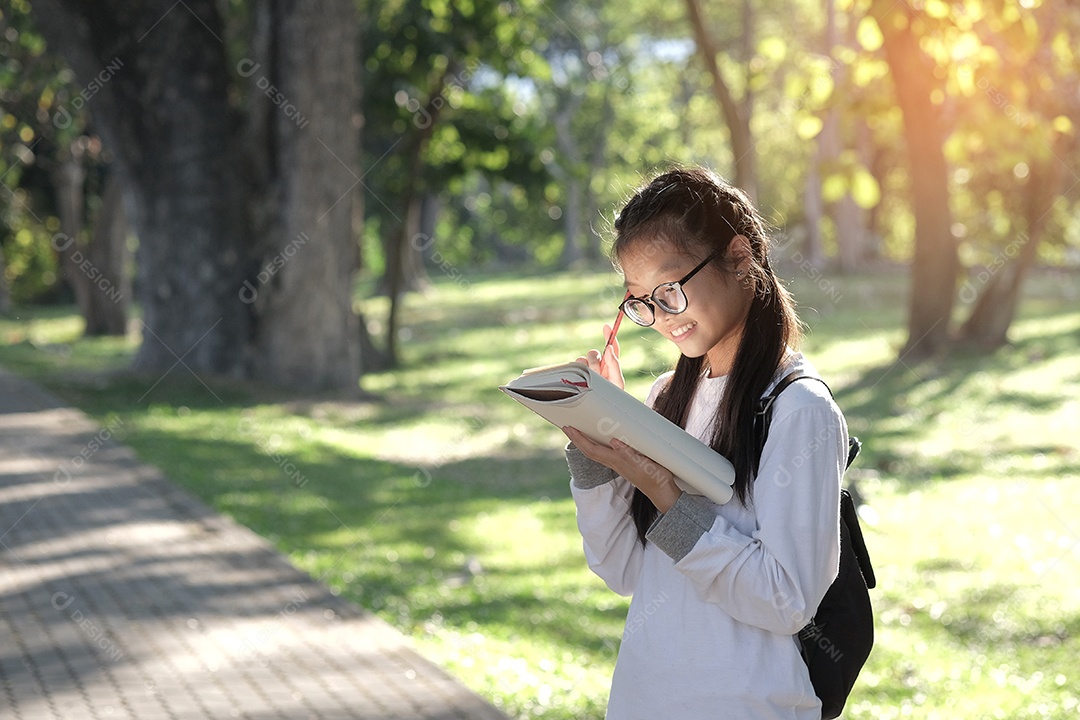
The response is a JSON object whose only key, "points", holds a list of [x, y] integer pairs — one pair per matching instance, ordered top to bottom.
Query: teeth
{"points": [[679, 331]]}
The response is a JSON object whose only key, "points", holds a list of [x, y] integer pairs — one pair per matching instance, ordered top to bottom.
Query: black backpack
{"points": [[838, 638]]}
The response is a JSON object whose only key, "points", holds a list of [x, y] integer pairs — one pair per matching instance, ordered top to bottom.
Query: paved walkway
{"points": [[122, 596]]}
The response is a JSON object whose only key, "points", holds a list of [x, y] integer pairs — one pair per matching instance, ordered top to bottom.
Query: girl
{"points": [[719, 591]]}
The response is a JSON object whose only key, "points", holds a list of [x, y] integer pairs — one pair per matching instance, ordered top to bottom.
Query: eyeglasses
{"points": [[668, 296]]}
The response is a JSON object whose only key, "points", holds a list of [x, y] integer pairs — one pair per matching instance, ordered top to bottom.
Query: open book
{"points": [[573, 395]]}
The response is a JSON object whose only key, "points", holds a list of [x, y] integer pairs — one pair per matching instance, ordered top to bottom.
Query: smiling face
{"points": [[717, 301]]}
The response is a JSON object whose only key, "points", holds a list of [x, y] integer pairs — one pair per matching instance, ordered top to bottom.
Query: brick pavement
{"points": [[121, 596]]}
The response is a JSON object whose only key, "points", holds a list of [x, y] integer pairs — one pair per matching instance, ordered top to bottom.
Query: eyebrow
{"points": [[668, 269]]}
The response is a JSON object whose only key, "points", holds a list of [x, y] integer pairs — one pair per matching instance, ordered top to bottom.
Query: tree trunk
{"points": [[569, 103], [737, 118], [879, 169], [69, 183], [814, 204], [814, 209], [429, 214], [845, 214], [847, 217], [571, 221], [420, 227], [419, 241], [402, 243], [593, 243], [395, 257], [936, 263], [94, 270], [412, 275], [5, 289], [107, 311], [988, 325], [306, 332], [372, 358]]}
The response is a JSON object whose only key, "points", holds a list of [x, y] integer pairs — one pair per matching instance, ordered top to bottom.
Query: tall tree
{"points": [[586, 63], [980, 87], [434, 112], [736, 113], [50, 115], [1036, 154], [845, 212], [408, 224], [245, 261], [936, 263], [95, 270], [5, 290], [107, 313], [988, 324]]}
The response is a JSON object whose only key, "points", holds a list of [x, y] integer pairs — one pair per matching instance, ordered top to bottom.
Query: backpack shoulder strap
{"points": [[763, 416]]}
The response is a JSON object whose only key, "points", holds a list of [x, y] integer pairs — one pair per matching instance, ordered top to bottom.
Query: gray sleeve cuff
{"points": [[586, 473], [677, 531]]}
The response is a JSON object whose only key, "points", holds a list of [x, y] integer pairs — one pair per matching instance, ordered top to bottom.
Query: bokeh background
{"points": [[288, 250]]}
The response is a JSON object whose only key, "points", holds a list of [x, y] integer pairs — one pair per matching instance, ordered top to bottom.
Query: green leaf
{"points": [[936, 9], [869, 34], [773, 48], [869, 71], [808, 127], [833, 188], [864, 189]]}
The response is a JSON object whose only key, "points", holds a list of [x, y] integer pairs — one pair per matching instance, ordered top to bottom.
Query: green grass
{"points": [[443, 506]]}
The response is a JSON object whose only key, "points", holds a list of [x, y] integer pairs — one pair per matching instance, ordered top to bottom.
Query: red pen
{"points": [[614, 329]]}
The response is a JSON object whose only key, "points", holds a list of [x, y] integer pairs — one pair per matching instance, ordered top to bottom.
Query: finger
{"points": [[614, 344], [611, 356], [592, 359], [579, 438]]}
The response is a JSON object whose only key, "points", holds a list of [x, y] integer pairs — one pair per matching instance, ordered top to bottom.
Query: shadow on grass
{"points": [[918, 394], [913, 472], [392, 537], [1000, 617], [558, 623]]}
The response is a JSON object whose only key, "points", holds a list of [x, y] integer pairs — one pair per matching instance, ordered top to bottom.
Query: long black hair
{"points": [[696, 212]]}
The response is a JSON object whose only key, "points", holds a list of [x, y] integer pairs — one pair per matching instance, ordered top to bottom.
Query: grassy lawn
{"points": [[443, 506]]}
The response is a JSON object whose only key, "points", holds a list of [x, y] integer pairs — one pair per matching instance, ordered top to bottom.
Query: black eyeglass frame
{"points": [[651, 302]]}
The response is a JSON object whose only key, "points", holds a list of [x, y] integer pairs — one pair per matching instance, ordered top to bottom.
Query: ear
{"points": [[739, 253]]}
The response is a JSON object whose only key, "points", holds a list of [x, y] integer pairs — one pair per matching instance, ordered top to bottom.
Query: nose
{"points": [[660, 316]]}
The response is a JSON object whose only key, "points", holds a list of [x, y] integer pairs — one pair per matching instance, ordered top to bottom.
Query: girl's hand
{"points": [[612, 369], [656, 481]]}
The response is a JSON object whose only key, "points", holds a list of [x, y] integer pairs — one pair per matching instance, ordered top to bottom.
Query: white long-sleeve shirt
{"points": [[720, 591]]}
